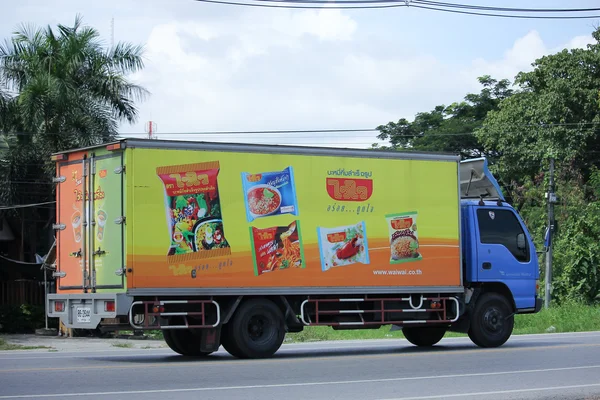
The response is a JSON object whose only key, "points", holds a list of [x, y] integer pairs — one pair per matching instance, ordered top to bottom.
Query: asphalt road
{"points": [[553, 366]]}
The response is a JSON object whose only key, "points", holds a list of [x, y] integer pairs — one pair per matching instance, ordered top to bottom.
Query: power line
{"points": [[368, 4], [493, 8], [508, 16], [574, 125], [26, 205]]}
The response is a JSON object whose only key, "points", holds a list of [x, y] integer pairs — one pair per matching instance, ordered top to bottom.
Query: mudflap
{"points": [[210, 339]]}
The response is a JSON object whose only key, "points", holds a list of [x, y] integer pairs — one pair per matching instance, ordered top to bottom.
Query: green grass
{"points": [[565, 318], [4, 345], [122, 345]]}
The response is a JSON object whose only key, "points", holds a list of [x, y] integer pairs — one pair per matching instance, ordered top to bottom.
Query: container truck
{"points": [[238, 244]]}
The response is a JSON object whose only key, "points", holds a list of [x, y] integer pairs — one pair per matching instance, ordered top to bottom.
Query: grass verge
{"points": [[564, 318], [4, 345], [123, 345]]}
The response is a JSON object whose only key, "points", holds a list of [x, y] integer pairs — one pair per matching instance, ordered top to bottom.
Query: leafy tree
{"points": [[60, 89], [554, 114], [448, 128]]}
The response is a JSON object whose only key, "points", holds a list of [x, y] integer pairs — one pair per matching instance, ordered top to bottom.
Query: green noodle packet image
{"points": [[404, 239]]}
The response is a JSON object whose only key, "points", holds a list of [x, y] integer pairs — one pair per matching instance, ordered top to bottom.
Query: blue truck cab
{"points": [[500, 264]]}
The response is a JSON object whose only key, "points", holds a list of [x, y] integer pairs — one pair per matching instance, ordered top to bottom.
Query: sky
{"points": [[214, 67]]}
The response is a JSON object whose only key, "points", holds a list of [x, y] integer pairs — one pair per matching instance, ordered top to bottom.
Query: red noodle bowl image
{"points": [[263, 200]]}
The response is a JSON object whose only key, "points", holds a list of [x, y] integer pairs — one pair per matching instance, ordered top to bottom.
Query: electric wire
{"points": [[433, 6], [26, 205]]}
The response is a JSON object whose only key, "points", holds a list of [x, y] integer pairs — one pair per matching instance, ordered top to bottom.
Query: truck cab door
{"points": [[505, 253]]}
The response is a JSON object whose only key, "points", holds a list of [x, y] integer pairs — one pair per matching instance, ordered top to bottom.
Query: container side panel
{"points": [[129, 201], [237, 219], [108, 232], [70, 240]]}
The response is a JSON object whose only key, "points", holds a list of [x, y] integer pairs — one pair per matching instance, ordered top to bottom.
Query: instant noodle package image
{"points": [[269, 193], [193, 210], [404, 240], [343, 245], [277, 248]]}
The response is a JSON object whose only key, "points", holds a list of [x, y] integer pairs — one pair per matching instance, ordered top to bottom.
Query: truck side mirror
{"points": [[521, 243]]}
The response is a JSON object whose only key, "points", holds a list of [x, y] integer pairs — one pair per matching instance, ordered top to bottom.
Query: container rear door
{"points": [[71, 213], [107, 239]]}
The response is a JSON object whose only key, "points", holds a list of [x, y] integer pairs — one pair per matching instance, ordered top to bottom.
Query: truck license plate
{"points": [[84, 315]]}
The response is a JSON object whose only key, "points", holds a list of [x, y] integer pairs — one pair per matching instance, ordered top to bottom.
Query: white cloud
{"points": [[521, 55], [214, 68], [302, 70]]}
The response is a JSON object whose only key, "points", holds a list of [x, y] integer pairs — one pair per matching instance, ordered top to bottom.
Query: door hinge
{"points": [[120, 169], [58, 179], [120, 220], [58, 227], [99, 252], [76, 253], [120, 271], [59, 274]]}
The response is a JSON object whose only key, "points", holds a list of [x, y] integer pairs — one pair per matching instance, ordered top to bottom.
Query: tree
{"points": [[60, 89], [555, 113], [448, 129]]}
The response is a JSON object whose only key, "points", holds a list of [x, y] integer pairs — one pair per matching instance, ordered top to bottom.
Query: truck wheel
{"points": [[492, 321], [256, 330], [167, 335], [424, 336], [227, 341], [184, 342]]}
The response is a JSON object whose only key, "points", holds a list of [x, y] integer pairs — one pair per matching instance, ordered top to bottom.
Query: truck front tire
{"points": [[492, 321], [256, 330], [424, 336]]}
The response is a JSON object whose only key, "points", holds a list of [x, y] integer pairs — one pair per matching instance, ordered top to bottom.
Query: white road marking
{"points": [[284, 385], [446, 396]]}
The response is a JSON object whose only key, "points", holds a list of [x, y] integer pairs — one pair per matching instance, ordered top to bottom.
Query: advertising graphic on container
{"points": [[269, 193], [193, 210], [226, 218], [404, 241], [343, 245], [277, 248]]}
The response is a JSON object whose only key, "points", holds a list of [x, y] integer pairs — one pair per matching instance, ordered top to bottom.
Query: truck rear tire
{"points": [[492, 321], [256, 330], [424, 336], [184, 342]]}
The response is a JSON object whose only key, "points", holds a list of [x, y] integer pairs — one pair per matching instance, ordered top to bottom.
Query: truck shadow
{"points": [[341, 352]]}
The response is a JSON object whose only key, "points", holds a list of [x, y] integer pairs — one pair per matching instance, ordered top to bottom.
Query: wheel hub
{"points": [[493, 320], [256, 327]]}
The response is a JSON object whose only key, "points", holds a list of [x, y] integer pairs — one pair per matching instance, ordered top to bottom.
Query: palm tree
{"points": [[68, 85], [59, 89]]}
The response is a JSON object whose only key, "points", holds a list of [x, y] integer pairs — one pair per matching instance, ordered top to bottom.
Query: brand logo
{"points": [[254, 177], [189, 179], [344, 189], [492, 215], [401, 223], [266, 235], [336, 237]]}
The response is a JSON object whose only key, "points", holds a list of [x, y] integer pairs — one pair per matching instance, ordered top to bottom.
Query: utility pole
{"points": [[551, 196]]}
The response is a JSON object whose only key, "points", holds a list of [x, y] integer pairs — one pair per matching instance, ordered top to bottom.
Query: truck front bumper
{"points": [[86, 310]]}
